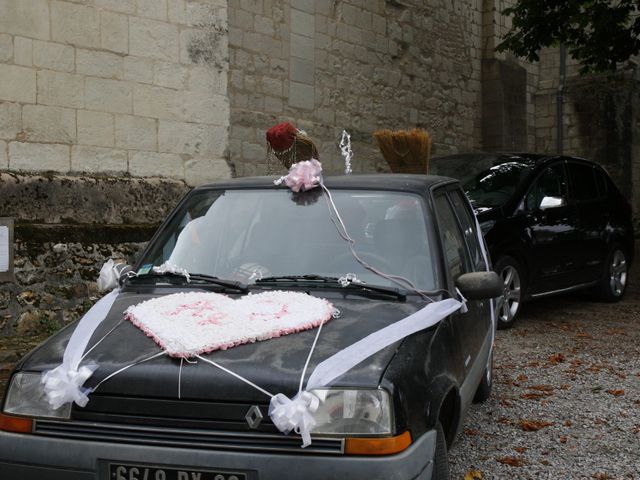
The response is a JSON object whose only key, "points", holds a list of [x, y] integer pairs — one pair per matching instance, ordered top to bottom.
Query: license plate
{"points": [[145, 472]]}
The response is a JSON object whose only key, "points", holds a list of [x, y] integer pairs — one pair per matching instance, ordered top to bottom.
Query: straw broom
{"points": [[406, 151]]}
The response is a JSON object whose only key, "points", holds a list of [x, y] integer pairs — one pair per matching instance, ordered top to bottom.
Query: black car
{"points": [[552, 224], [392, 416]]}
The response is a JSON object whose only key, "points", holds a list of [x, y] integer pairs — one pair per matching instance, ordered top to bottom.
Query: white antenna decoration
{"points": [[347, 153]]}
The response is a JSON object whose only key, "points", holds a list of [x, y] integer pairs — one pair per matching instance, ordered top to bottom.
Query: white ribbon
{"points": [[64, 383], [295, 414]]}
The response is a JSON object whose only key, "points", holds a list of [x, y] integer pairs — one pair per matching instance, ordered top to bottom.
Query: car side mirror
{"points": [[552, 202], [480, 285]]}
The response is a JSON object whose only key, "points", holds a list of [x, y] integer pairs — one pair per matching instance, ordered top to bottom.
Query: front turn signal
{"points": [[15, 424], [377, 445]]}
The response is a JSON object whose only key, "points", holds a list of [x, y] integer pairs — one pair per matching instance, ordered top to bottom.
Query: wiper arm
{"points": [[198, 278], [359, 288]]}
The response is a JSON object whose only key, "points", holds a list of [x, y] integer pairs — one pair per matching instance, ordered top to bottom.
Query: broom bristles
{"points": [[406, 151]]}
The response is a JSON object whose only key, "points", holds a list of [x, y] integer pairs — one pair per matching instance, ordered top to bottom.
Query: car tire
{"points": [[613, 282], [509, 305], [483, 392], [440, 459]]}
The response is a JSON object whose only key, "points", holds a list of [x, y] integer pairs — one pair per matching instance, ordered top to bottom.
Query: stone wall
{"points": [[360, 65], [114, 86], [66, 227]]}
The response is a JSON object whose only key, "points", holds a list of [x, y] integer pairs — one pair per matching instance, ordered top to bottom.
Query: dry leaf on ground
{"points": [[616, 393], [534, 425], [513, 461], [473, 475]]}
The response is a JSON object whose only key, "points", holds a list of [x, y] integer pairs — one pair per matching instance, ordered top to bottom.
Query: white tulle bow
{"points": [[63, 385], [294, 414]]}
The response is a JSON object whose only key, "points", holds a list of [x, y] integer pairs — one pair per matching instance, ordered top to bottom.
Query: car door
{"points": [[593, 216], [551, 231], [462, 255]]}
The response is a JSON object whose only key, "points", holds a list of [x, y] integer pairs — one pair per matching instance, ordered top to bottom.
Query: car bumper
{"points": [[28, 457]]}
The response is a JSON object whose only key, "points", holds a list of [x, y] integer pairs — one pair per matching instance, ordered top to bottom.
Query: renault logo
{"points": [[254, 417]]}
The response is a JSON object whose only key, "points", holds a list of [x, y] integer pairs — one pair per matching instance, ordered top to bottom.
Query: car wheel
{"points": [[614, 276], [509, 304], [484, 389], [440, 460]]}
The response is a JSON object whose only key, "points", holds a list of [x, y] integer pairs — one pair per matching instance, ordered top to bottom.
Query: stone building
{"points": [[111, 109]]}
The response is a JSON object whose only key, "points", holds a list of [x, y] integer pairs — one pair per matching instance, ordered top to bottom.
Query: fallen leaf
{"points": [[556, 358], [522, 377], [541, 388], [616, 393], [533, 396], [505, 421], [568, 423], [533, 425], [471, 431], [563, 439], [521, 449], [513, 461], [473, 475], [601, 476]]}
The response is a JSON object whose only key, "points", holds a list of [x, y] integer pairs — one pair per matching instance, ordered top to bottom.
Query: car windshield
{"points": [[488, 181], [248, 235]]}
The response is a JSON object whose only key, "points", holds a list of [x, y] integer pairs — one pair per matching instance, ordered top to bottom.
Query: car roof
{"points": [[532, 159], [379, 181]]}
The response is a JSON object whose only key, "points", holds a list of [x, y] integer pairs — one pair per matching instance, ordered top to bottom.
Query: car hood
{"points": [[275, 365]]}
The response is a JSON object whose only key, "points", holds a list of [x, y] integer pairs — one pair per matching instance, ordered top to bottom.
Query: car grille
{"points": [[183, 423]]}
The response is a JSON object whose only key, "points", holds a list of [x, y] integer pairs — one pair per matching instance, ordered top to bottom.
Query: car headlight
{"points": [[26, 397], [353, 412]]}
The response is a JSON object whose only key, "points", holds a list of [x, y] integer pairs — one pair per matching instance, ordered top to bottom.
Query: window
{"points": [[601, 180], [583, 182], [551, 183], [468, 223], [456, 254]]}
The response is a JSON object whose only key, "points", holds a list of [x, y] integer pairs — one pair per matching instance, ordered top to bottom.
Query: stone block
{"points": [[304, 5], [122, 6], [255, 6], [156, 9], [176, 11], [25, 17], [302, 23], [75, 24], [264, 25], [114, 32], [149, 38], [6, 47], [206, 47], [302, 47], [23, 51], [53, 56], [99, 64], [138, 69], [302, 71], [170, 75], [207, 80], [18, 84], [272, 86], [108, 95], [301, 96], [157, 102], [273, 104], [212, 109], [10, 120], [41, 123], [95, 128], [136, 133], [191, 138], [4, 155], [38, 157], [97, 159], [152, 164], [200, 171]]}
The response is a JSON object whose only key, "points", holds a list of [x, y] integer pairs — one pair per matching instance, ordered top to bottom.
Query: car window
{"points": [[601, 180], [583, 182], [551, 183], [468, 227], [243, 234], [456, 254]]}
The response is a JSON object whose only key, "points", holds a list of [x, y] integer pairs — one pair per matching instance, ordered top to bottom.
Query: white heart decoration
{"points": [[188, 324]]}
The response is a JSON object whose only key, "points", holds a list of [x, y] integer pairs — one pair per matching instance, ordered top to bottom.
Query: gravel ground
{"points": [[566, 395]]}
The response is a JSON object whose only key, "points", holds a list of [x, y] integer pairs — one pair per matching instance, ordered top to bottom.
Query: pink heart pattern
{"points": [[188, 324]]}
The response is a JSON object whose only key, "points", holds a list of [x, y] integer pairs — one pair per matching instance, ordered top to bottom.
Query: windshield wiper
{"points": [[195, 278], [320, 281]]}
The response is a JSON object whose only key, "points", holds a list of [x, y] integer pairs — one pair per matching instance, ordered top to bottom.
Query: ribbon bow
{"points": [[63, 385], [287, 414]]}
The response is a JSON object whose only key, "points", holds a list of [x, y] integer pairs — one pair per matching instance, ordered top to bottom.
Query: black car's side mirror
{"points": [[552, 202], [480, 285]]}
